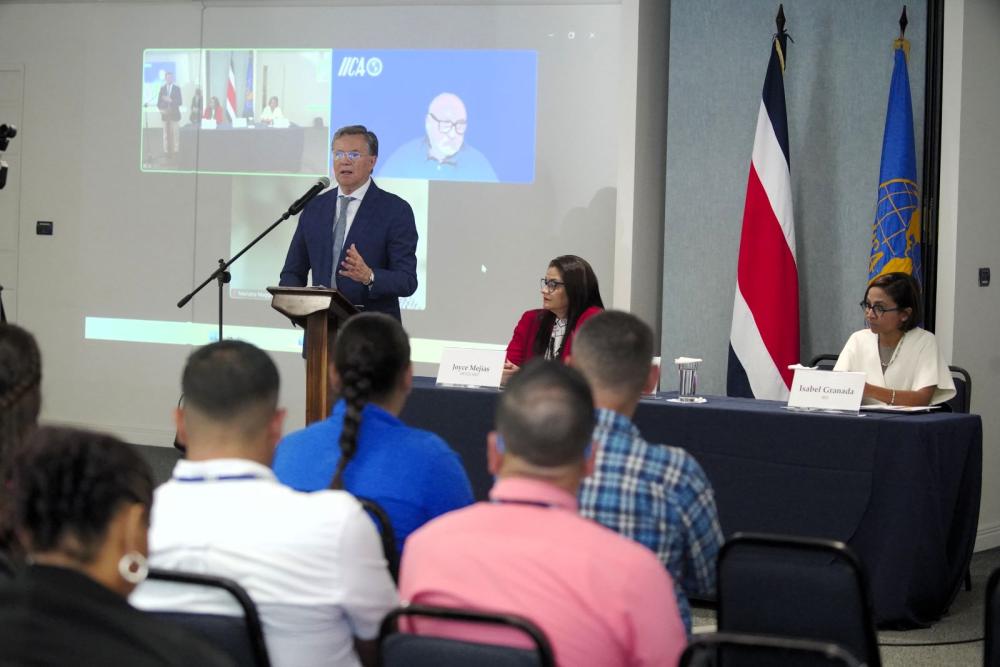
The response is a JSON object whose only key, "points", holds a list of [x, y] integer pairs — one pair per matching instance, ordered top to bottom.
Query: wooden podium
{"points": [[318, 310]]}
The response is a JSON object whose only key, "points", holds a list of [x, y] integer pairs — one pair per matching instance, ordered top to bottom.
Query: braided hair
{"points": [[582, 292], [371, 353], [20, 389], [67, 486]]}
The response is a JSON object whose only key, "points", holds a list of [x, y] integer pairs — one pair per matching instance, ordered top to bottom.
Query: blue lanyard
{"points": [[220, 478]]}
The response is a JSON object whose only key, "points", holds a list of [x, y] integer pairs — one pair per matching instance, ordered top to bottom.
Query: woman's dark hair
{"points": [[582, 291], [905, 291], [370, 354], [20, 389], [67, 485]]}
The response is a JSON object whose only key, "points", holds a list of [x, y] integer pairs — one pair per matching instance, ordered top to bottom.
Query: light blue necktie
{"points": [[338, 235]]}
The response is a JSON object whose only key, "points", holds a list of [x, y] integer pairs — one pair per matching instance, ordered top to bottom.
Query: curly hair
{"points": [[370, 353], [67, 485]]}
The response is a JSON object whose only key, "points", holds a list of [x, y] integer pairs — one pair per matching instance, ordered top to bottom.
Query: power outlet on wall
{"points": [[984, 276]]}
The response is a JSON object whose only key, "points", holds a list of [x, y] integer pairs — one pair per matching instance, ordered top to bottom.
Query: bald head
{"points": [[445, 124], [230, 385], [546, 415]]}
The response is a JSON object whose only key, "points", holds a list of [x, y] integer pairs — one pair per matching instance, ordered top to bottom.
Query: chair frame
{"points": [[824, 357], [967, 378], [387, 535], [817, 546], [251, 618], [990, 621], [721, 639], [546, 656]]}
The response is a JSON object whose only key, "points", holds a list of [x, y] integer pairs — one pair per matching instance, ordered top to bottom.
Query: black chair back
{"points": [[824, 362], [962, 402], [386, 534], [7, 568], [796, 587], [242, 638], [991, 645], [401, 649], [724, 649]]}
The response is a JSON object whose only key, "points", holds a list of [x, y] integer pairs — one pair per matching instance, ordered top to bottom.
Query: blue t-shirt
{"points": [[411, 160], [412, 474]]}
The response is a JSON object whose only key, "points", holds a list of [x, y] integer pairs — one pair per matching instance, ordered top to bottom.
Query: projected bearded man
{"points": [[442, 153], [357, 237]]}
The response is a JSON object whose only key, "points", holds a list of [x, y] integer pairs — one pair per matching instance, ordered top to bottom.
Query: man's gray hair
{"points": [[351, 130]]}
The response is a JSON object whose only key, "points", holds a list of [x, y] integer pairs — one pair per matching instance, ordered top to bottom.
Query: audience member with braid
{"points": [[20, 402], [363, 447], [80, 505]]}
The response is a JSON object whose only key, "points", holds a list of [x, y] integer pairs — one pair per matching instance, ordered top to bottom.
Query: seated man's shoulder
{"points": [[668, 466], [689, 471], [320, 503], [457, 522], [616, 552]]}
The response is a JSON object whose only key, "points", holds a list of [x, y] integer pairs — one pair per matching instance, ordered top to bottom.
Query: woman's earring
{"points": [[133, 567]]}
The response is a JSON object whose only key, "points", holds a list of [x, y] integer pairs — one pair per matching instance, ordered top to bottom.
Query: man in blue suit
{"points": [[367, 232]]}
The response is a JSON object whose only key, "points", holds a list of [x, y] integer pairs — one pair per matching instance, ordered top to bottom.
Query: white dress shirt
{"points": [[352, 208], [312, 563]]}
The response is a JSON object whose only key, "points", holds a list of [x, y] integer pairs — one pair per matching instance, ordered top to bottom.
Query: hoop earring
{"points": [[133, 567]]}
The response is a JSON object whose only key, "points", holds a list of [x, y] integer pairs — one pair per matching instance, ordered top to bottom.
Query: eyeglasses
{"points": [[446, 126], [350, 155], [550, 286], [877, 308]]}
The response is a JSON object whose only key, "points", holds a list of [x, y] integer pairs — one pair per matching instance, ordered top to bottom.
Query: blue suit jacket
{"points": [[385, 235]]}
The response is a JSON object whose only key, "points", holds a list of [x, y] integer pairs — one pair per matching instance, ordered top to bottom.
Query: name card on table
{"points": [[465, 367], [826, 390]]}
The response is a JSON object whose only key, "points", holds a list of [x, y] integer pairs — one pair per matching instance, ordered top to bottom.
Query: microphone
{"points": [[301, 202]]}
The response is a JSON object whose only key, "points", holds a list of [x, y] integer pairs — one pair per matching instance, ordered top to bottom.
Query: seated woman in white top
{"points": [[271, 112], [902, 361]]}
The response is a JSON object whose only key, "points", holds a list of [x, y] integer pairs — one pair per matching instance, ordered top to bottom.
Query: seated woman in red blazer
{"points": [[570, 295]]}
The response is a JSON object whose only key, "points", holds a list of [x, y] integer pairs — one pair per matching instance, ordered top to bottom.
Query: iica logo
{"points": [[358, 66]]}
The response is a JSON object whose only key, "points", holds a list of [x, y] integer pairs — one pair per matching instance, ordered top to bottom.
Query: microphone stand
{"points": [[222, 276]]}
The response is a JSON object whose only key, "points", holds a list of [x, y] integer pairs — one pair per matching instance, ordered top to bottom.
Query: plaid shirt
{"points": [[658, 496]]}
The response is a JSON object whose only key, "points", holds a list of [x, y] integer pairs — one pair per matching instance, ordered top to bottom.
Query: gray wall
{"points": [[836, 86], [977, 309]]}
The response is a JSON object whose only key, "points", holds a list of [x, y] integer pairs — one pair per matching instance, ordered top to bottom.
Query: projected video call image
{"points": [[236, 111], [447, 115], [245, 118]]}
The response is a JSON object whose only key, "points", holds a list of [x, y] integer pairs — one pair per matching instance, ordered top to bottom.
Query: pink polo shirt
{"points": [[600, 598]]}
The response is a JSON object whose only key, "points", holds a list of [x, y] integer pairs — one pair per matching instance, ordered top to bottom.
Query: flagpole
{"points": [[903, 23]]}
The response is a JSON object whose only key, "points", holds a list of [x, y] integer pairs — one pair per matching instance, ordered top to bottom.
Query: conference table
{"points": [[264, 150], [902, 490]]}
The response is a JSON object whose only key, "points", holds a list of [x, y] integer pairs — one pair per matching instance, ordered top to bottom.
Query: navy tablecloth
{"points": [[901, 490]]}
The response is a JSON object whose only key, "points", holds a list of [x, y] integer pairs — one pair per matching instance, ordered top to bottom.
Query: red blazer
{"points": [[519, 347]]}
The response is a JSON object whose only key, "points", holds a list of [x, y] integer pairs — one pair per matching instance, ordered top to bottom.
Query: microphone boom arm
{"points": [[221, 274]]}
